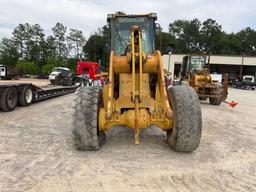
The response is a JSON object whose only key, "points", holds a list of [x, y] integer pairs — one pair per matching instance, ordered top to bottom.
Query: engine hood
{"points": [[54, 73]]}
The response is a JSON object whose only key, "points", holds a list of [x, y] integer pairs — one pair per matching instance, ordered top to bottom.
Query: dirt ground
{"points": [[37, 154]]}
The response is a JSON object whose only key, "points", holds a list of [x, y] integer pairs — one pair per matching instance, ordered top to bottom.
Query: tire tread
{"points": [[85, 119], [187, 119]]}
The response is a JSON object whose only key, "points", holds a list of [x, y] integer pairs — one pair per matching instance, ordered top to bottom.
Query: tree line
{"points": [[207, 36], [35, 53]]}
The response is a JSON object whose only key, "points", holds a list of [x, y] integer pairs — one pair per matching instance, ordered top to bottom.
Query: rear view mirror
{"points": [[158, 29]]}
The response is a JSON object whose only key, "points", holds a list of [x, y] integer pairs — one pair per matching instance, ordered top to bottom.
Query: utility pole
{"points": [[169, 51], [209, 60], [169, 61], [241, 67]]}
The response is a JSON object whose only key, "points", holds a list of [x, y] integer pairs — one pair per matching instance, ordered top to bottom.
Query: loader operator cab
{"points": [[121, 25], [192, 63]]}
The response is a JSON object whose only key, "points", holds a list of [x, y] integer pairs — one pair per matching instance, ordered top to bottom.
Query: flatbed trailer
{"points": [[24, 94]]}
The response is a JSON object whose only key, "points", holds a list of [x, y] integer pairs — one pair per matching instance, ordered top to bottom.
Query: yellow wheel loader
{"points": [[195, 71], [136, 94]]}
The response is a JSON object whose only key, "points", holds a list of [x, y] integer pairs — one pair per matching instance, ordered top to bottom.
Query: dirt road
{"points": [[36, 153]]}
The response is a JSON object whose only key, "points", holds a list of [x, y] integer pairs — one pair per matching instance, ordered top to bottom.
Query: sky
{"points": [[88, 15]]}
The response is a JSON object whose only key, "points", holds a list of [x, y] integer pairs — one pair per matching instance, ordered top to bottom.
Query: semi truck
{"points": [[87, 67], [90, 73]]}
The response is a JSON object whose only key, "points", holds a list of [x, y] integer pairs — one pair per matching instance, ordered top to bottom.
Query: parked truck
{"points": [[86, 67], [7, 73], [90, 73], [61, 76], [247, 82]]}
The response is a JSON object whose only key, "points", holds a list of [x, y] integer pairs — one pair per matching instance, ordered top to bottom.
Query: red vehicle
{"points": [[87, 67]]}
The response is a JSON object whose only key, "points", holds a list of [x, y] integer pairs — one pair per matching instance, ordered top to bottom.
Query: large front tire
{"points": [[86, 104], [186, 132]]}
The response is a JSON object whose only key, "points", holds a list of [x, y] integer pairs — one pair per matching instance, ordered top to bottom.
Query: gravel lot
{"points": [[37, 154]]}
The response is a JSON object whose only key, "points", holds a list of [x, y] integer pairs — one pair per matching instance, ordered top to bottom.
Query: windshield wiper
{"points": [[119, 37]]}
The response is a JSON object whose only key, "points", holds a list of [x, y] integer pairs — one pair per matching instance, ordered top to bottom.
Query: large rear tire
{"points": [[218, 99], [8, 100], [86, 104], [186, 132]]}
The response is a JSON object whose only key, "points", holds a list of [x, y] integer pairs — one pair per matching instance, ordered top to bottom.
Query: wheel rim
{"points": [[28, 95], [11, 98]]}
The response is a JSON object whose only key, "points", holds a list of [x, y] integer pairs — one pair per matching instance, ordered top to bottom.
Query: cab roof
{"points": [[115, 15]]}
